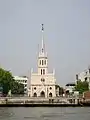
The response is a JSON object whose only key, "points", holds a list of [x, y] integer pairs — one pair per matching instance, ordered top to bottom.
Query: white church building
{"points": [[42, 83]]}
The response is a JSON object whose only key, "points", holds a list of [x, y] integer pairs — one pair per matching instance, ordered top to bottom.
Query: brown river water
{"points": [[44, 113]]}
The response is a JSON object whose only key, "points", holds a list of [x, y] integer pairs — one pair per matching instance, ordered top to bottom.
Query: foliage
{"points": [[6, 80], [7, 83], [82, 86], [17, 88]]}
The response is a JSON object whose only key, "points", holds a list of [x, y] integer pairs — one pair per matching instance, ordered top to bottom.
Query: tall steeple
{"points": [[42, 48], [42, 52], [42, 58]]}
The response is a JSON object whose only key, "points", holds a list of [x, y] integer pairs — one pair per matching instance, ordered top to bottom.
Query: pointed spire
{"points": [[42, 27], [42, 49], [31, 70], [53, 71]]}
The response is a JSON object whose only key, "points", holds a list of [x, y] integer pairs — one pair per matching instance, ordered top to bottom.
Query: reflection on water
{"points": [[44, 113]]}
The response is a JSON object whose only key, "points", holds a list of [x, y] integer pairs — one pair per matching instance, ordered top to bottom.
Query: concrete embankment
{"points": [[40, 102], [40, 105]]}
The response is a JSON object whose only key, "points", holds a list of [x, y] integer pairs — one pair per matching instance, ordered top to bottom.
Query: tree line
{"points": [[7, 83], [82, 86]]}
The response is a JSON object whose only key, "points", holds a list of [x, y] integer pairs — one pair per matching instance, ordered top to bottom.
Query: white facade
{"points": [[84, 76], [23, 80], [42, 83], [70, 87]]}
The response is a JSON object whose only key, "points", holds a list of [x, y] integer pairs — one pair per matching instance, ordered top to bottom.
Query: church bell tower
{"points": [[42, 57]]}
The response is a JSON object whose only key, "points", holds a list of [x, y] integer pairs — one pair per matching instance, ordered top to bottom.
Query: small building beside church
{"points": [[23, 80], [42, 83]]}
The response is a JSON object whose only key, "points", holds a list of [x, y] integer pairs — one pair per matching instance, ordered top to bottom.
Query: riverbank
{"points": [[41, 102], [40, 105]]}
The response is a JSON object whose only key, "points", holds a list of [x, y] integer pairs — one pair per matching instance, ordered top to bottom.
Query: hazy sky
{"points": [[67, 35]]}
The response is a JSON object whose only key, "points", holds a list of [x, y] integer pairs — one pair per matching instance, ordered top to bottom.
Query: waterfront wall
{"points": [[24, 100]]}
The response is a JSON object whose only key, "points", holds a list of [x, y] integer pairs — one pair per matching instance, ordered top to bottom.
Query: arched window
{"points": [[42, 62], [45, 62], [43, 71], [42, 94], [50, 94], [35, 95]]}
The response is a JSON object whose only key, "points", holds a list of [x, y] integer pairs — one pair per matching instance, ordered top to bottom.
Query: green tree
{"points": [[6, 80], [7, 83], [82, 86], [17, 88], [21, 88]]}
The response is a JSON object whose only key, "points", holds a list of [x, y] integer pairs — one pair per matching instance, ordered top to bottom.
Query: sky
{"points": [[66, 35]]}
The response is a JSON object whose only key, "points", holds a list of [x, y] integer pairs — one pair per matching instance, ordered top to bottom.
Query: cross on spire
{"points": [[42, 27], [42, 39]]}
